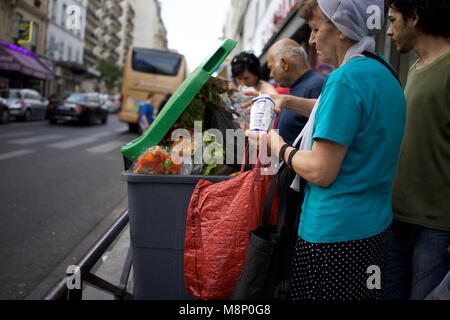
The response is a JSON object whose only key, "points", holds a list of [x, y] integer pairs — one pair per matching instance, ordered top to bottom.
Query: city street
{"points": [[57, 183]]}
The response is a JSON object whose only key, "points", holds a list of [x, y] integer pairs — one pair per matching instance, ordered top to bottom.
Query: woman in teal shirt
{"points": [[348, 156]]}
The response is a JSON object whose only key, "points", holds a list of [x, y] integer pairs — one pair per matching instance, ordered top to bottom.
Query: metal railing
{"points": [[62, 292]]}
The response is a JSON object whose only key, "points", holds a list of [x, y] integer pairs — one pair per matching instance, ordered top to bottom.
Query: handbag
{"points": [[220, 216], [266, 273], [442, 291]]}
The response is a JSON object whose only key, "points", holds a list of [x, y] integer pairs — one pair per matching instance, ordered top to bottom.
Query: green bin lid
{"points": [[178, 103]]}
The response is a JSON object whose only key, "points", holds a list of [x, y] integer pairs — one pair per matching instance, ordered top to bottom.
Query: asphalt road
{"points": [[57, 182]]}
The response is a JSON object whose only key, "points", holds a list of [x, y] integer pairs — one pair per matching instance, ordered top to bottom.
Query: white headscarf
{"points": [[358, 20]]}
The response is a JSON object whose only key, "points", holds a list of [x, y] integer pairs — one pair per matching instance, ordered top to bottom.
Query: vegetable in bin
{"points": [[157, 160]]}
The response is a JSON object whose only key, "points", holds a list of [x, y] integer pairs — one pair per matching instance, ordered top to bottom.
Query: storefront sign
{"points": [[285, 7], [25, 32]]}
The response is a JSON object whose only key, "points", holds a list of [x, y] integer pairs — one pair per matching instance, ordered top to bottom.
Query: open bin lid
{"points": [[178, 102]]}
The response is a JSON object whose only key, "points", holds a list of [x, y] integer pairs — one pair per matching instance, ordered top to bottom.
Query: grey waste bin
{"points": [[158, 209]]}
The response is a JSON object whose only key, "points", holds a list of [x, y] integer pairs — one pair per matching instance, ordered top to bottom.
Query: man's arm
{"points": [[301, 106]]}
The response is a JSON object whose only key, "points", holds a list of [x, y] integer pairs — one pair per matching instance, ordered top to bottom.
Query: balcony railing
{"points": [[95, 3], [115, 7], [130, 8], [93, 16], [116, 22], [130, 23], [90, 35], [89, 54], [114, 54]]}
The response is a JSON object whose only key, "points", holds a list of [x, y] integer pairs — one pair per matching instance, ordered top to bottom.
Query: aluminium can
{"points": [[262, 113]]}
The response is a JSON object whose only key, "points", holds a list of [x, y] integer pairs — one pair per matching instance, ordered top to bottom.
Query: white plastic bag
{"points": [[442, 291]]}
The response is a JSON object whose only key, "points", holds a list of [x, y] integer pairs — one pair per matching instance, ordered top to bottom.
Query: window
{"points": [[54, 9], [63, 15], [17, 18], [34, 38], [61, 53], [69, 53], [157, 62], [32, 94]]}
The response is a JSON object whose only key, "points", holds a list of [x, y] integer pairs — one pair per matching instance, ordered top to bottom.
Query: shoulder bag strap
{"points": [[378, 58]]}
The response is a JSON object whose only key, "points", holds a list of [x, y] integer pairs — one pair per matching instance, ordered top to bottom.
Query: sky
{"points": [[194, 27]]}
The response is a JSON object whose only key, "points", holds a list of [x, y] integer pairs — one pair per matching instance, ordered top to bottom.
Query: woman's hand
{"points": [[278, 99], [272, 139], [274, 142]]}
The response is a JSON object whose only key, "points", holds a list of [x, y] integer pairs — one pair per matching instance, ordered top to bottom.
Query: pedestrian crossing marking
{"points": [[15, 134], [36, 139], [78, 142], [106, 147], [15, 154]]}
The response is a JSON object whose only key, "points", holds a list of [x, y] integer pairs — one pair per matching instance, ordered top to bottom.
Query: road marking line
{"points": [[15, 134], [36, 139], [77, 142], [106, 147], [15, 154]]}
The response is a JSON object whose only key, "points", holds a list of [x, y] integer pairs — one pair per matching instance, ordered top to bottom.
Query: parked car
{"points": [[55, 100], [113, 103], [26, 104], [80, 107], [4, 111]]}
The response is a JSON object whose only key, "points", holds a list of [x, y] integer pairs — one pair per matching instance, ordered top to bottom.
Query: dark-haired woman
{"points": [[246, 69]]}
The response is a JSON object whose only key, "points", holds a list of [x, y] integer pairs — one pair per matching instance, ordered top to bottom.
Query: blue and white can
{"points": [[262, 113]]}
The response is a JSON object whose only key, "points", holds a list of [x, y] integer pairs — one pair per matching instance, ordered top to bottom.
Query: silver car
{"points": [[26, 104]]}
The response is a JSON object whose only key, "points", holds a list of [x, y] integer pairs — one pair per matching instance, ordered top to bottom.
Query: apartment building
{"points": [[14, 11], [110, 12], [149, 31], [126, 34], [91, 39], [65, 43], [23, 65]]}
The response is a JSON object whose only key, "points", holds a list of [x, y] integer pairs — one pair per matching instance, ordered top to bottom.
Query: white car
{"points": [[26, 104]]}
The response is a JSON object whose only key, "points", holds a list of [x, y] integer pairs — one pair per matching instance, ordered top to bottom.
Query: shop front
{"points": [[20, 68]]}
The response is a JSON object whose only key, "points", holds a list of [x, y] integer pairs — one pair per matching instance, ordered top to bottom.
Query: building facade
{"points": [[14, 11], [258, 24], [149, 31], [126, 34], [91, 39], [65, 43], [24, 64]]}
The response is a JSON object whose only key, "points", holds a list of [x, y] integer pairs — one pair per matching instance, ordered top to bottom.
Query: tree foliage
{"points": [[111, 73]]}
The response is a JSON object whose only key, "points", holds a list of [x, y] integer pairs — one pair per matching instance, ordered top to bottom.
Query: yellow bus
{"points": [[148, 70]]}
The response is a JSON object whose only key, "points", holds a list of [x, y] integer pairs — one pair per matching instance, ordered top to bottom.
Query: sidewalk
{"points": [[110, 267]]}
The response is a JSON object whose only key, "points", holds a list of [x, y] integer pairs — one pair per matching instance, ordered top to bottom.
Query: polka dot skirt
{"points": [[350, 270]]}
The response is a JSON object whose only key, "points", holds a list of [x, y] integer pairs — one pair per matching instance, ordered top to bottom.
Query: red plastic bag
{"points": [[219, 219]]}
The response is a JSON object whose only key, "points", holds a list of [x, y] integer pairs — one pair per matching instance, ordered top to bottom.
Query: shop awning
{"points": [[16, 61]]}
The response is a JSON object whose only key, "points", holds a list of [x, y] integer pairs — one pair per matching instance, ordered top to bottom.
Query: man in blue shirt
{"points": [[288, 64], [147, 113]]}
